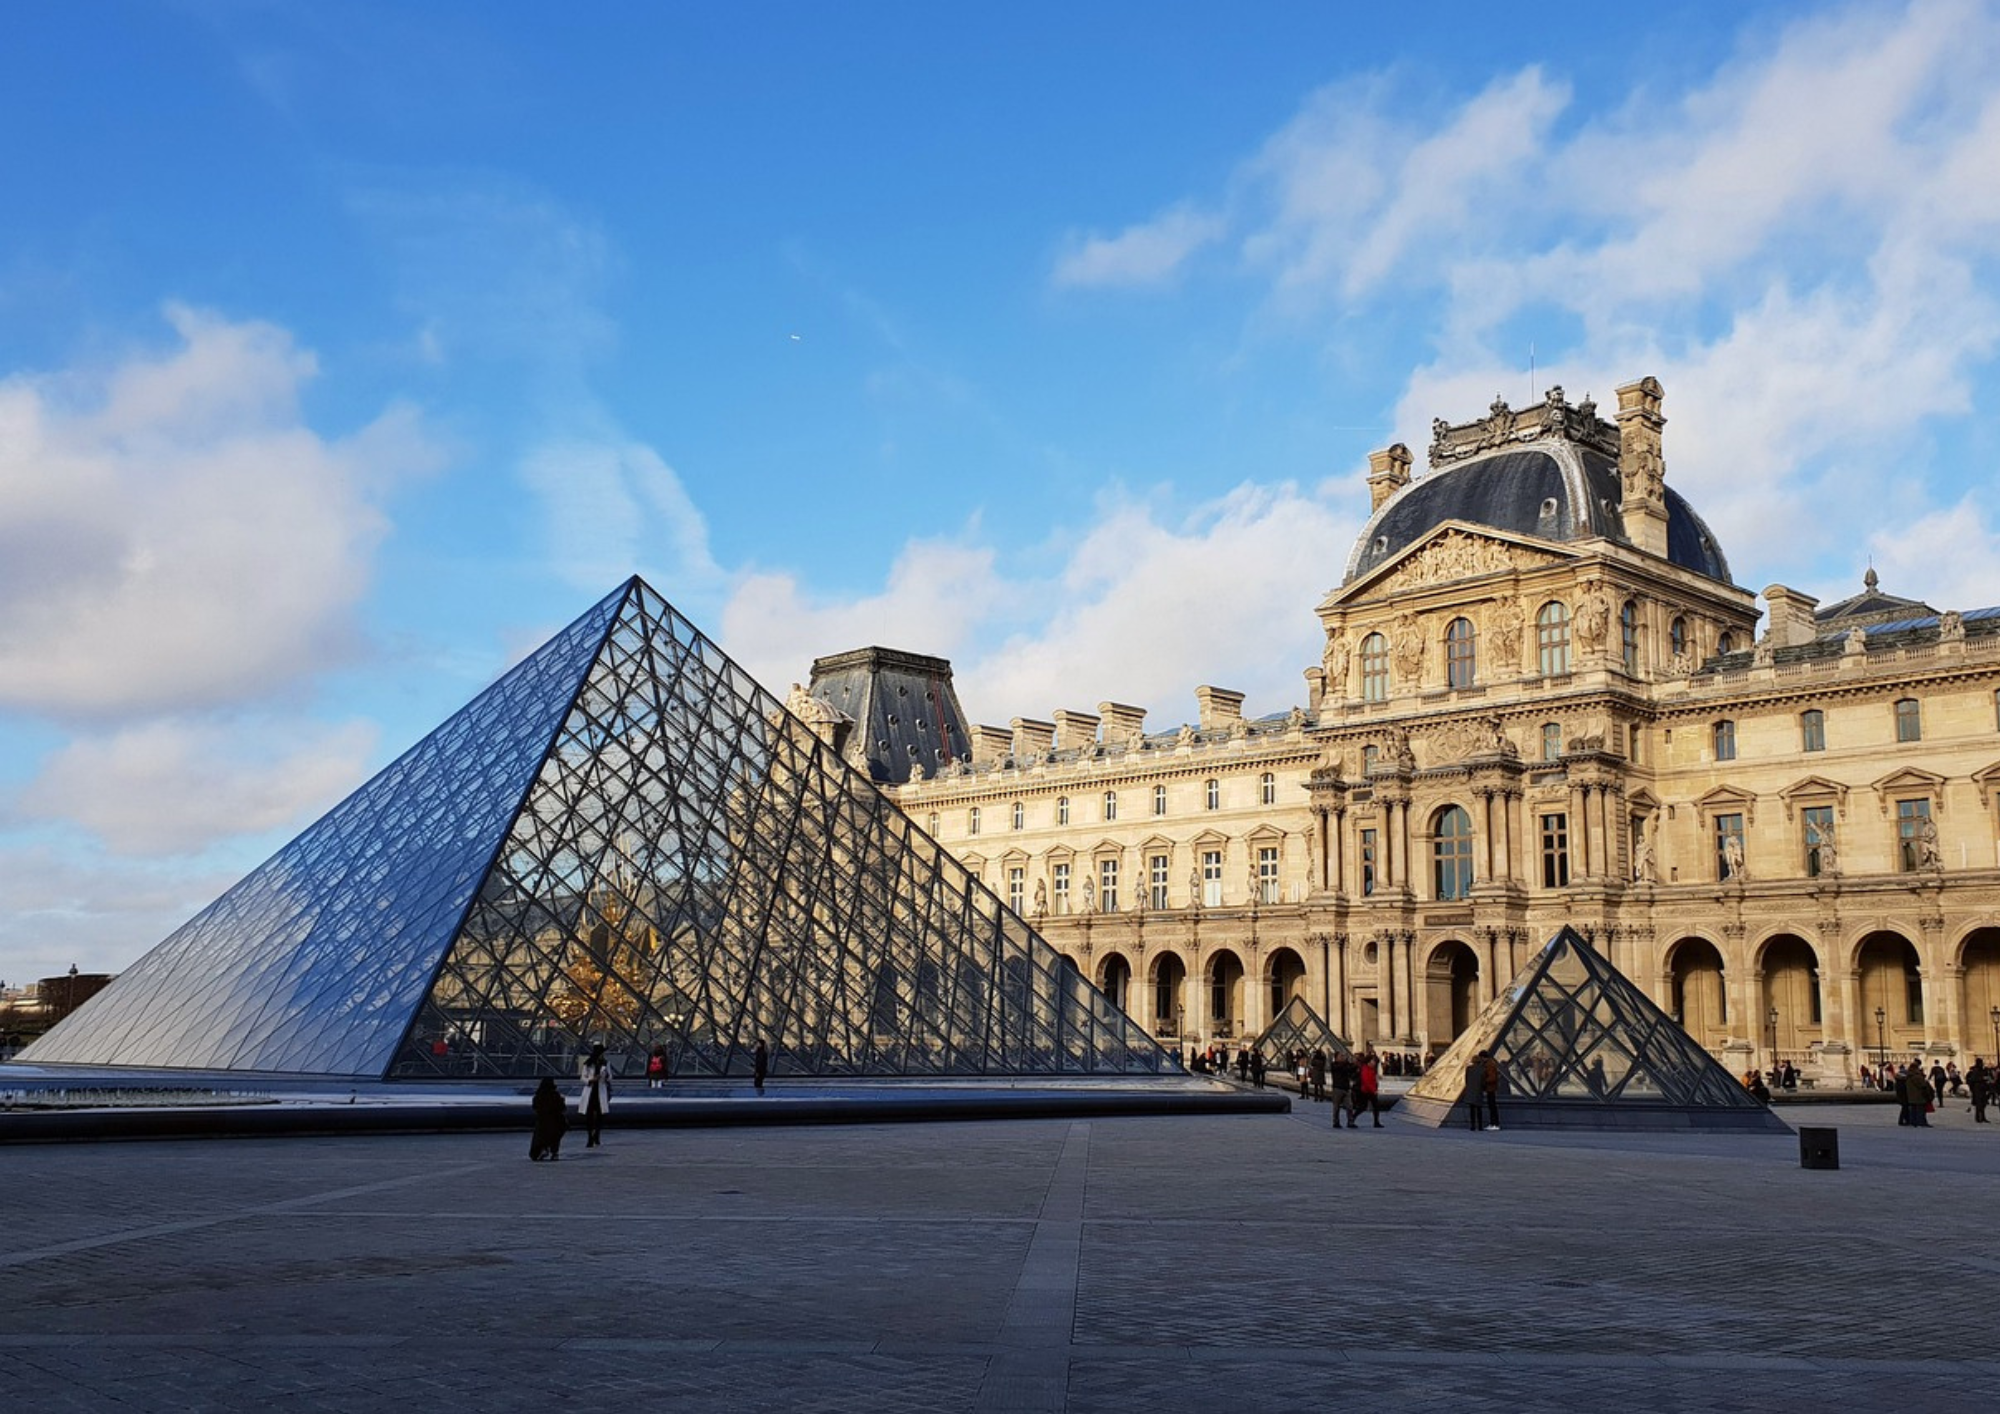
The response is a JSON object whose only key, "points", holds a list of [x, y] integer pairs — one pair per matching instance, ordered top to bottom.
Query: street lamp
{"points": [[1995, 1014], [1772, 1017], [1881, 1046]]}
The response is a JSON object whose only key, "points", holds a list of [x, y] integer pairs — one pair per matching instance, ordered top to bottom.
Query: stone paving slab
{"points": [[1191, 1263]]}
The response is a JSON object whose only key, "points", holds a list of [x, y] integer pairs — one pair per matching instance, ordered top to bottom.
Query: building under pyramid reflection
{"points": [[625, 840]]}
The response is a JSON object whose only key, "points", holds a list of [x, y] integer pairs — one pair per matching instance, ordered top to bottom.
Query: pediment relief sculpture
{"points": [[1458, 555]]}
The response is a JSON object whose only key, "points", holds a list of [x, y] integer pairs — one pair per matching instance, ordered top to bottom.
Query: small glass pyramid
{"points": [[625, 840], [1299, 1028], [1581, 1046]]}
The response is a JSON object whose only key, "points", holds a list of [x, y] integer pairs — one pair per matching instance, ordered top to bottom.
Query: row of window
{"points": [[1552, 648], [1812, 728], [1267, 794], [1102, 894]]}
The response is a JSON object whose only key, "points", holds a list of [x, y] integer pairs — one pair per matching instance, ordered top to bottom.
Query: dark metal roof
{"points": [[1529, 491], [1874, 610], [903, 706]]}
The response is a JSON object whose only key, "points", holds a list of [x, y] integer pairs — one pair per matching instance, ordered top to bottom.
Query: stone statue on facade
{"points": [[1593, 621], [1951, 627], [1507, 639], [1409, 648], [1334, 664], [1185, 736], [1397, 747], [916, 771], [1829, 851], [1929, 855], [1732, 858], [1645, 869], [1194, 888], [1089, 896], [1041, 898]]}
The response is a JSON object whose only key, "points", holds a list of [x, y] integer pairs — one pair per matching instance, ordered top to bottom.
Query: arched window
{"points": [[1628, 636], [1677, 636], [1552, 639], [1726, 643], [1459, 653], [1374, 668], [1909, 720], [1552, 740], [1725, 741], [1267, 789], [1212, 794], [1160, 804], [1111, 805], [1062, 810], [1020, 816], [1451, 852]]}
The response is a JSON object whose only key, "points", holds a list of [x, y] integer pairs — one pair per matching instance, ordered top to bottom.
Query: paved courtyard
{"points": [[1217, 1264]]}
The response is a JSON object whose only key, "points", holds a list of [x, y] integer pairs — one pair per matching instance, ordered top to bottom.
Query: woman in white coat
{"points": [[596, 1096]]}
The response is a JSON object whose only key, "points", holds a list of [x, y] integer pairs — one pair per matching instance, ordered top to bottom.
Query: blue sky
{"points": [[348, 350]]}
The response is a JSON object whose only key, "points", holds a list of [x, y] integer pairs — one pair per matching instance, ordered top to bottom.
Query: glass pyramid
{"points": [[623, 840], [1299, 1028], [1579, 1044]]}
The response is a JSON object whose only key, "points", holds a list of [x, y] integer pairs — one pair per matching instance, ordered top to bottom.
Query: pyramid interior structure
{"points": [[627, 840], [1299, 1028], [1581, 1046]]}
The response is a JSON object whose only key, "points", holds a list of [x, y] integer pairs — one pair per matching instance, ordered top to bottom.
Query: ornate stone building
{"points": [[1542, 700]]}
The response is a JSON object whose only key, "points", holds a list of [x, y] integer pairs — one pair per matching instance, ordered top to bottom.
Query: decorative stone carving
{"points": [[1504, 426], [1456, 555], [1593, 621], [1951, 627], [1507, 637], [1407, 643], [1855, 645], [1334, 664], [1185, 736], [1485, 737], [1396, 745], [916, 772], [1822, 839], [1929, 855], [1732, 859], [1645, 869], [1194, 888], [1089, 895], [1041, 898]]}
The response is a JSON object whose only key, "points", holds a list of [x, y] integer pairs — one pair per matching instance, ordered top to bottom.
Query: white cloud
{"points": [[1144, 254], [173, 534], [1139, 611], [174, 788], [67, 908]]}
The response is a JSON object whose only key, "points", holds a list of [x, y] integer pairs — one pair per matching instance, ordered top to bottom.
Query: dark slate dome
{"points": [[1550, 490]]}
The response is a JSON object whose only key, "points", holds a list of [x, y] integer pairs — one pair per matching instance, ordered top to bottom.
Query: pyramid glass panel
{"points": [[623, 841], [1579, 1045]]}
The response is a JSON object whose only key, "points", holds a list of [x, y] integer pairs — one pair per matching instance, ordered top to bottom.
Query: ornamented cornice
{"points": [[1504, 426]]}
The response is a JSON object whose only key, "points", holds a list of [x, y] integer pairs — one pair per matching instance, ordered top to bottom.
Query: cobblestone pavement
{"points": [[1230, 1263]]}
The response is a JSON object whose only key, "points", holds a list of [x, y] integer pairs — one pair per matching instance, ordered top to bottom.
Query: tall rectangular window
{"points": [[1628, 637], [1552, 640], [1459, 653], [1375, 668], [1909, 720], [1812, 730], [1552, 740], [1725, 741], [1267, 789], [1212, 793], [1159, 800], [1111, 805], [1019, 816], [972, 821], [1817, 823], [1915, 835], [1728, 845], [1555, 850], [1367, 862], [1156, 868], [1267, 873], [1211, 878], [1059, 885], [1107, 885], [1017, 889], [1913, 996]]}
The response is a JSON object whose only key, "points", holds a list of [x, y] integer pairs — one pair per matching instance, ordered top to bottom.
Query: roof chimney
{"points": [[1642, 466], [1388, 473], [1792, 621], [1220, 707]]}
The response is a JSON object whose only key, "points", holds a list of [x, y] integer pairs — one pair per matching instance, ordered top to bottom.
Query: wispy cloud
{"points": [[1144, 254]]}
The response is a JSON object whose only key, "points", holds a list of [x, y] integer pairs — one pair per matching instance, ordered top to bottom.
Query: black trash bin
{"points": [[1819, 1148]]}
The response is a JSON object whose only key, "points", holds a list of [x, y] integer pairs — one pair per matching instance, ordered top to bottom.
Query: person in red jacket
{"points": [[1369, 1094]]}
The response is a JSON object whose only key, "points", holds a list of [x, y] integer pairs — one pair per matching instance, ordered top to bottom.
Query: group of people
{"points": [[1251, 1065], [1918, 1092], [551, 1108]]}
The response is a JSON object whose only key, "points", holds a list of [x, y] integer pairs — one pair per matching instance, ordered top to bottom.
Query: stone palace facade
{"points": [[1542, 700]]}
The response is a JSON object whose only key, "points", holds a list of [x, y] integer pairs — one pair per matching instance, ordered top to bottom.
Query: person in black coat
{"points": [[760, 1065], [1981, 1081], [551, 1121]]}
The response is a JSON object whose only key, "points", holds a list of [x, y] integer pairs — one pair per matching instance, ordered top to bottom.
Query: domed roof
{"points": [[1550, 488]]}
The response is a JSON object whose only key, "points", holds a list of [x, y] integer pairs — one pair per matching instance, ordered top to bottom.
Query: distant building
{"points": [[1543, 700]]}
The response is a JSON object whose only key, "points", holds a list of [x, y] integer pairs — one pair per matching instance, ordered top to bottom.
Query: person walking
{"points": [[1318, 1064], [760, 1065], [1258, 1068], [1340, 1075], [1904, 1075], [1980, 1081], [1475, 1085], [1369, 1086], [1921, 1095], [596, 1098], [551, 1121]]}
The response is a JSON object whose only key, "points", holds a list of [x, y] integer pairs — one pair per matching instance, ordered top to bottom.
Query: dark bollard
{"points": [[1819, 1148]]}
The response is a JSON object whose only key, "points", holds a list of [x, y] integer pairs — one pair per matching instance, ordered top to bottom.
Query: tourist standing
{"points": [[1318, 1064], [760, 1065], [656, 1068], [1257, 1068], [1340, 1075], [1369, 1081], [1980, 1081], [1489, 1084], [596, 1095], [1920, 1096], [551, 1121]]}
